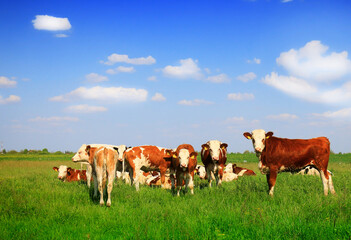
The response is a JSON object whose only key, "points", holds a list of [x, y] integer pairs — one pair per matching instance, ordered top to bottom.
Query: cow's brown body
{"points": [[242, 171]]}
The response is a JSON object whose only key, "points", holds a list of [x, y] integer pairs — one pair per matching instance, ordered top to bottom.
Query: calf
{"points": [[282, 154], [214, 157], [147, 158], [103, 161], [183, 164], [239, 170], [309, 170], [69, 174]]}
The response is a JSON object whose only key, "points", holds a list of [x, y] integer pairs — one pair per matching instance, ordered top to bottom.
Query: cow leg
{"points": [[88, 173], [171, 175], [220, 175], [163, 176], [209, 176], [111, 178], [136, 178], [271, 179], [325, 179], [179, 182], [190, 183], [330, 183], [95, 184], [100, 184]]}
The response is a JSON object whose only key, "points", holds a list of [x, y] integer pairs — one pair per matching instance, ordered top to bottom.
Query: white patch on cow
{"points": [[258, 139], [214, 149], [184, 158], [229, 168], [263, 168], [282, 168], [202, 171], [62, 172], [241, 173], [78, 176], [228, 177], [325, 183], [271, 191]]}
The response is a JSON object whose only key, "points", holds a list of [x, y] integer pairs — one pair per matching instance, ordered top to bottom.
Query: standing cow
{"points": [[289, 155], [214, 157], [147, 158], [184, 164]]}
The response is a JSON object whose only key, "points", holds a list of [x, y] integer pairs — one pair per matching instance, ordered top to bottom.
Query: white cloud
{"points": [[285, 1], [49, 23], [61, 35], [117, 58], [255, 60], [312, 63], [121, 69], [187, 69], [94, 77], [246, 77], [152, 78], [221, 78], [7, 83], [108, 94], [240, 96], [158, 97], [10, 99], [195, 102], [84, 108], [342, 113], [282, 117], [54, 119]]}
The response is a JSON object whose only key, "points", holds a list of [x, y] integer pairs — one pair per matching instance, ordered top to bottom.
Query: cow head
{"points": [[258, 138], [214, 146], [120, 150], [81, 155], [184, 156], [201, 170], [62, 172]]}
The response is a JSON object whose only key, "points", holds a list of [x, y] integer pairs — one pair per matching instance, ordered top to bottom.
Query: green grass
{"points": [[36, 205]]}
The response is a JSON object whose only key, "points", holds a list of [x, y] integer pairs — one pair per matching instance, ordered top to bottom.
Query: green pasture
{"points": [[34, 204]]}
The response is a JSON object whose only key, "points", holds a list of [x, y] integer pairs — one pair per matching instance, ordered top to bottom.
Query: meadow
{"points": [[34, 204]]}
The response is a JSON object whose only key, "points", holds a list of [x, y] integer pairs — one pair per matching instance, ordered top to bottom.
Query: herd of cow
{"points": [[175, 168]]}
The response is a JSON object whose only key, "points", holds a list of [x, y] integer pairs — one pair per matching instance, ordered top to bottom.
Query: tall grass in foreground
{"points": [[34, 204]]}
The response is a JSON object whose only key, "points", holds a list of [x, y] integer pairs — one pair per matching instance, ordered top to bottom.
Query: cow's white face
{"points": [[258, 138], [215, 146], [121, 150], [81, 155], [184, 158], [201, 170], [62, 172]]}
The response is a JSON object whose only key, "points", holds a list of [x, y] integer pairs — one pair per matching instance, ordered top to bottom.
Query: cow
{"points": [[289, 155], [82, 156], [214, 157], [147, 158], [103, 161], [184, 161], [233, 168], [309, 170], [201, 171], [69, 174], [155, 180]]}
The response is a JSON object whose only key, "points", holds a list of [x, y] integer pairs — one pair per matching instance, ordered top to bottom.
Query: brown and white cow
{"points": [[289, 155], [214, 157], [147, 158], [103, 161], [184, 161], [233, 168], [69, 174]]}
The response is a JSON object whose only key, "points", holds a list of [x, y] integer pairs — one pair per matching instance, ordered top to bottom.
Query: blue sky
{"points": [[171, 72]]}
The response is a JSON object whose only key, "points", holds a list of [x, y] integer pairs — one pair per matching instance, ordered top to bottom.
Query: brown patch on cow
{"points": [[237, 170]]}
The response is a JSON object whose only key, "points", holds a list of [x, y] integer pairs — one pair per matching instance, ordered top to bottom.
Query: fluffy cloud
{"points": [[49, 23], [118, 58], [255, 60], [311, 62], [121, 69], [187, 69], [94, 77], [246, 77], [221, 78], [7, 83], [107, 94], [240, 96], [158, 97], [10, 99], [195, 102], [84, 108], [340, 114], [282, 117], [54, 119]]}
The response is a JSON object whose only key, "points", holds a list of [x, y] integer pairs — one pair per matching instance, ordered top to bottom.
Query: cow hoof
{"points": [[102, 204], [108, 204]]}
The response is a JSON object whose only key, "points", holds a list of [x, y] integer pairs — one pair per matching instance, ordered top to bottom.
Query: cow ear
{"points": [[269, 134], [247, 135], [224, 145], [204, 146], [115, 148], [87, 150], [174, 155], [193, 155], [55, 168]]}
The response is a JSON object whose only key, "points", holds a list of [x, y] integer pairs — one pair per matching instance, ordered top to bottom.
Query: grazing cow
{"points": [[289, 155], [82, 156], [214, 157], [147, 158], [103, 161], [183, 165], [233, 168], [201, 171], [69, 174], [228, 174]]}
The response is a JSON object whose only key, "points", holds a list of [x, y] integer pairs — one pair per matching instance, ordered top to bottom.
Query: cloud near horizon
{"points": [[7, 83], [10, 99], [195, 102], [84, 108]]}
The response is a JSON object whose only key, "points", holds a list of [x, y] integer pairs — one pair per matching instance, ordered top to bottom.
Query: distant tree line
{"points": [[32, 151]]}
